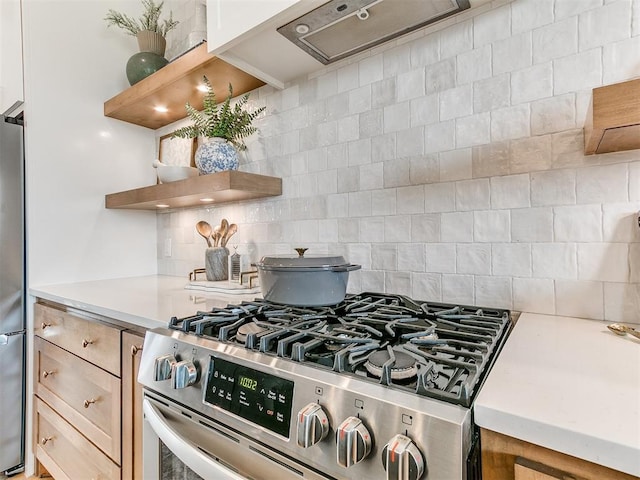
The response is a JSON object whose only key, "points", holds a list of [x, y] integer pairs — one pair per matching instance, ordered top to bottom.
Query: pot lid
{"points": [[302, 260]]}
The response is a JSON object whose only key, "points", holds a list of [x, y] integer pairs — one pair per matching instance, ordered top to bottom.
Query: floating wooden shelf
{"points": [[176, 84], [613, 119], [221, 187]]}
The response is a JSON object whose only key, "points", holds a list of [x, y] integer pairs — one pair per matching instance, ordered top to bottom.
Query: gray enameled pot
{"points": [[304, 281]]}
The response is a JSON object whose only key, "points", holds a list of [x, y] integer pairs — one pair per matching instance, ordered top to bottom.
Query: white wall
{"points": [[75, 155], [450, 165]]}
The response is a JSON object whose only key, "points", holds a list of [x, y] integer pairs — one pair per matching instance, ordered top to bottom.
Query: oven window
{"points": [[172, 468]]}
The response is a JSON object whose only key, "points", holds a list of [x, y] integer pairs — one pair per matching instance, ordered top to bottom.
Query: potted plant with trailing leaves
{"points": [[151, 34], [224, 128]]}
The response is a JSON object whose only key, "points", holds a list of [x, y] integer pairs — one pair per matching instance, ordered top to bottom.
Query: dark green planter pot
{"points": [[143, 64]]}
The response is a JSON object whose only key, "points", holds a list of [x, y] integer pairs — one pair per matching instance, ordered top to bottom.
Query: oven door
{"points": [[178, 443]]}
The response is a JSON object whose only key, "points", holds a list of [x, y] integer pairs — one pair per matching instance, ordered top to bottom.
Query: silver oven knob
{"points": [[162, 367], [183, 374], [313, 425], [353, 442], [402, 459]]}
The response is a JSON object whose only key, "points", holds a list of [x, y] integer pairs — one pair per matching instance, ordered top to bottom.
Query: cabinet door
{"points": [[228, 20], [10, 54], [131, 407], [528, 470]]}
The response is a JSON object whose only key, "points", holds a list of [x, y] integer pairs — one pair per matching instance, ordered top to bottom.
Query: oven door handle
{"points": [[188, 453]]}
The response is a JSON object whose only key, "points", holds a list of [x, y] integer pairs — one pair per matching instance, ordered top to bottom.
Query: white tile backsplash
{"points": [[451, 165]]}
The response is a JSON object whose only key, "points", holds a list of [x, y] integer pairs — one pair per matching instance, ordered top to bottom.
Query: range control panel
{"points": [[256, 396]]}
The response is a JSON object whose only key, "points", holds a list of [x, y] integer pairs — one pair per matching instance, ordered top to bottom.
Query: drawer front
{"points": [[95, 342], [85, 395], [65, 453]]}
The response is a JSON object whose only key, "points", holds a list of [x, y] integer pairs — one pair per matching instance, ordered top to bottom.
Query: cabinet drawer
{"points": [[95, 342], [85, 395], [65, 453]]}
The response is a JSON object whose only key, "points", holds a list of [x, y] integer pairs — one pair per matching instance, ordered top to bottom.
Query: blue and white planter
{"points": [[216, 155]]}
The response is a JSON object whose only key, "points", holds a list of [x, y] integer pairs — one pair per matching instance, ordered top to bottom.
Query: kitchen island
{"points": [[568, 385]]}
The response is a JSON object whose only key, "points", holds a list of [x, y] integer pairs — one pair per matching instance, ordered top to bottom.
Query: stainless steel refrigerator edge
{"points": [[12, 283]]}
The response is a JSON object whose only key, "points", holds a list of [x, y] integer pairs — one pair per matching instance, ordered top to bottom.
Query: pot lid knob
{"points": [[301, 251]]}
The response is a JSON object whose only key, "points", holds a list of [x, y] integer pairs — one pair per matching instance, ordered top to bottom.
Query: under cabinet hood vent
{"points": [[341, 28]]}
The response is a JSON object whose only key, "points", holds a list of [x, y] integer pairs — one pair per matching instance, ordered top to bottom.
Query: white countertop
{"points": [[147, 302], [569, 385]]}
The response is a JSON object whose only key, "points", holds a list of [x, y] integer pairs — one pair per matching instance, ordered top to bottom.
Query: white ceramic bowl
{"points": [[173, 173]]}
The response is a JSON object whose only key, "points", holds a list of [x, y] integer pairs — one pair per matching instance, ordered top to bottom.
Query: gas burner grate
{"points": [[434, 349]]}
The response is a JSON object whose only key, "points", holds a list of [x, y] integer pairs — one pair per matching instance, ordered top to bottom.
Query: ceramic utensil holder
{"points": [[216, 263]]}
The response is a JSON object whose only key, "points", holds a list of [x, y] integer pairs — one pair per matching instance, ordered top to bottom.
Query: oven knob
{"points": [[162, 367], [183, 374], [313, 425], [353, 442], [402, 459]]}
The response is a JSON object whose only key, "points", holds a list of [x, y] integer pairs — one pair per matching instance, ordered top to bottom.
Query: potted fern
{"points": [[224, 128]]}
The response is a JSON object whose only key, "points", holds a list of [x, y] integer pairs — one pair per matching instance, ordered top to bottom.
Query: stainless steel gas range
{"points": [[379, 386]]}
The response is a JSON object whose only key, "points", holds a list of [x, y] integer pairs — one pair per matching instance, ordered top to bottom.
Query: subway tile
{"points": [[570, 8], [526, 16], [604, 25], [491, 26], [456, 39], [559, 39], [425, 51], [512, 53], [619, 60], [396, 61], [588, 63], [473, 65], [371, 69], [441, 76], [348, 77], [533, 83], [411, 84], [327, 85], [383, 93], [491, 93], [360, 99], [456, 102], [424, 110], [554, 114], [396, 117], [511, 122], [371, 123], [349, 128], [473, 130], [439, 137], [410, 142], [383, 147], [567, 149], [359, 152], [530, 154], [490, 160], [456, 165], [424, 169], [397, 173], [372, 176], [348, 179], [634, 181], [602, 184], [554, 187], [511, 191], [473, 194], [440, 197], [410, 199], [383, 202], [359, 204], [620, 222], [580, 223], [532, 224], [491, 226], [456, 227], [397, 228], [425, 228], [372, 229], [348, 230], [384, 257], [411, 257], [441, 257], [473, 258], [511, 259], [555, 260], [606, 262], [634, 262], [371, 281], [398, 282], [426, 287], [458, 289], [493, 292], [535, 295], [580, 298], [622, 302]]}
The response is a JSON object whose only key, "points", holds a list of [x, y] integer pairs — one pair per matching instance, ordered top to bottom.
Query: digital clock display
{"points": [[256, 396]]}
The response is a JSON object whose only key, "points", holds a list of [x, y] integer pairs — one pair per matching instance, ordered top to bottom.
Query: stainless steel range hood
{"points": [[341, 28]]}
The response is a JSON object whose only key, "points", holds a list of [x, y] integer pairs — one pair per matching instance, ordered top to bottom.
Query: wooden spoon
{"points": [[224, 226], [233, 228], [204, 229], [216, 235]]}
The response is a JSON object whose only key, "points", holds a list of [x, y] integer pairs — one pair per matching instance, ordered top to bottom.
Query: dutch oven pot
{"points": [[304, 281]]}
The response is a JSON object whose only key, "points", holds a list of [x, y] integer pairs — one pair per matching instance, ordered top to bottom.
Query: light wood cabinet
{"points": [[88, 403], [131, 407], [507, 458]]}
